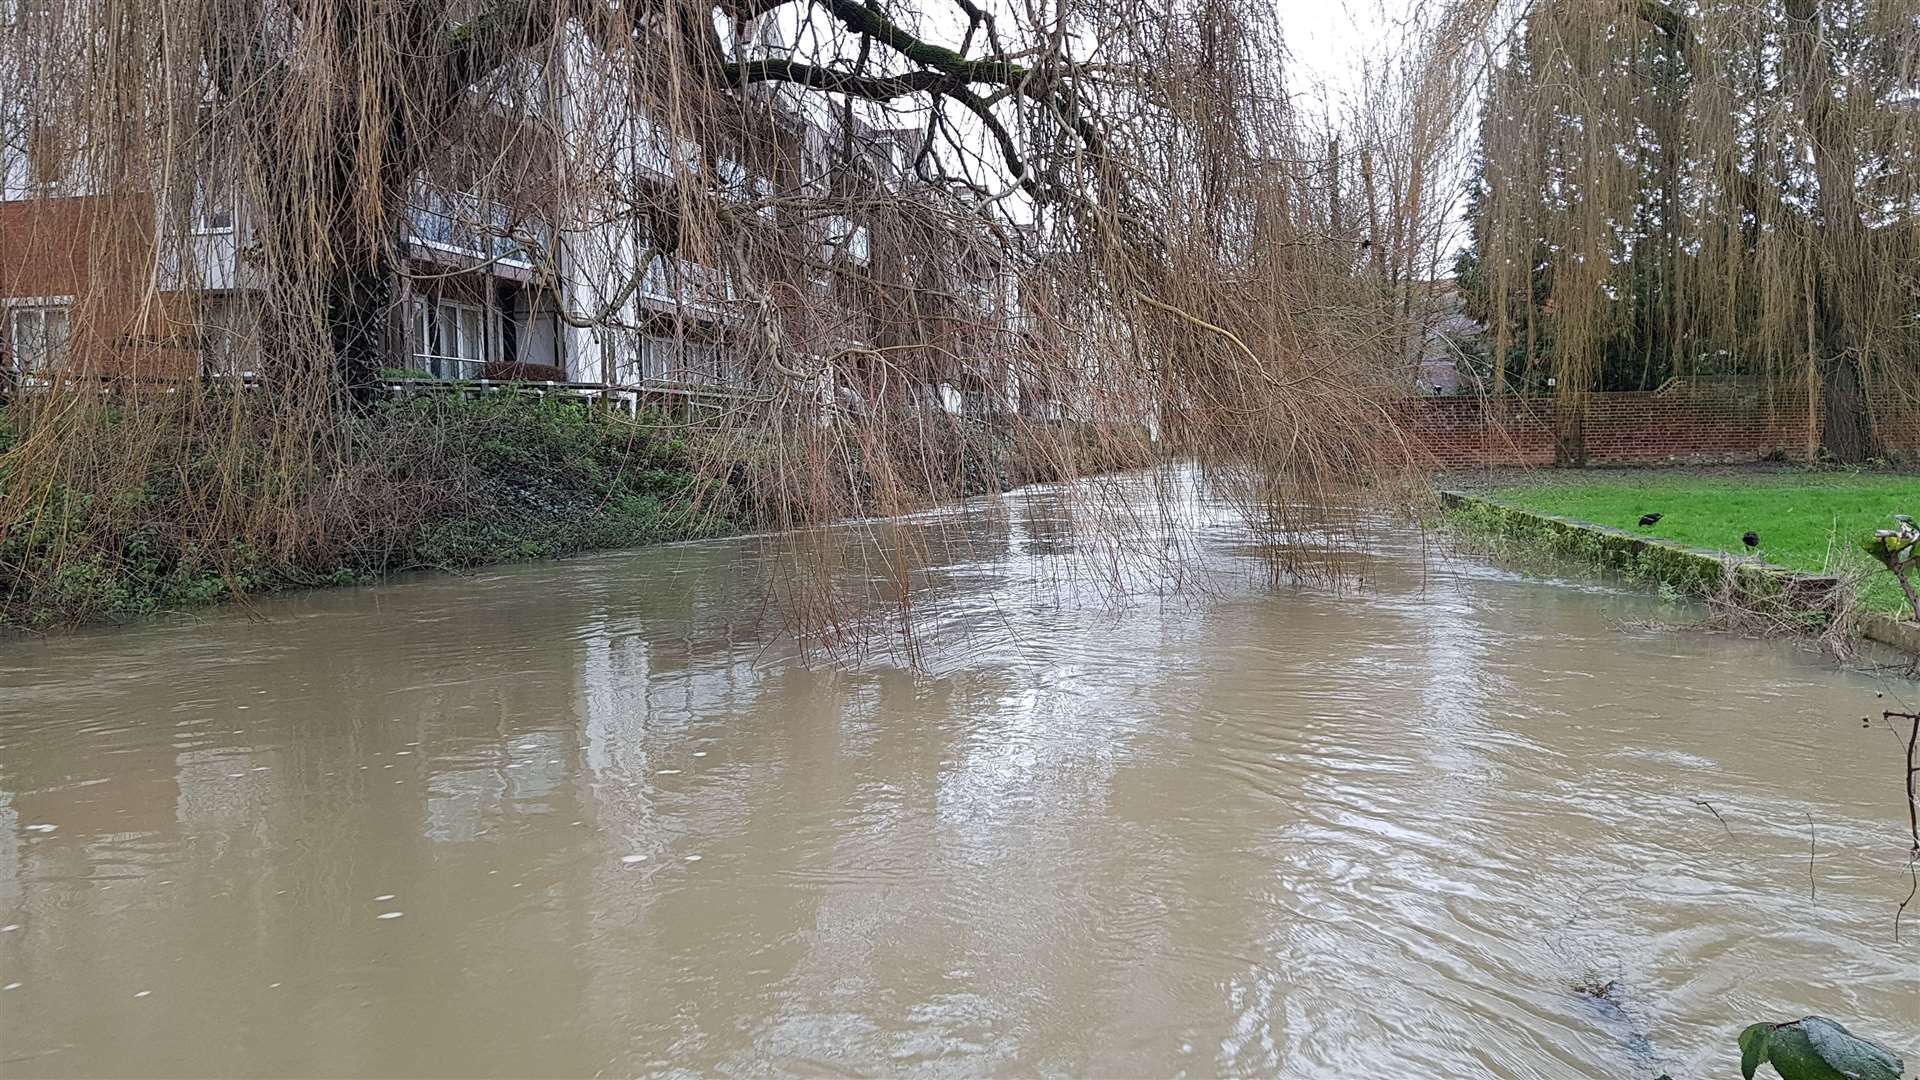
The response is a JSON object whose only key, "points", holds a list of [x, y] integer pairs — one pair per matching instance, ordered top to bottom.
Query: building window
{"points": [[212, 209], [845, 237], [657, 282], [229, 333], [37, 335], [449, 339], [656, 357], [665, 359]]}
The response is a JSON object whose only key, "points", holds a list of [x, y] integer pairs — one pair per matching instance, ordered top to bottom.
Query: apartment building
{"points": [[559, 248]]}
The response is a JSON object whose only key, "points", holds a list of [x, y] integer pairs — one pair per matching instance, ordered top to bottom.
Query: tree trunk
{"points": [[1336, 227], [1374, 242], [327, 244], [1497, 251], [357, 303], [1846, 416], [1847, 421], [1570, 432]]}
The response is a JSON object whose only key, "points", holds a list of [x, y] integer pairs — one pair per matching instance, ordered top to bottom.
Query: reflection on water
{"points": [[596, 818]]}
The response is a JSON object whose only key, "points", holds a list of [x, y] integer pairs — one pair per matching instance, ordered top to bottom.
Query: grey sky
{"points": [[1330, 39]]}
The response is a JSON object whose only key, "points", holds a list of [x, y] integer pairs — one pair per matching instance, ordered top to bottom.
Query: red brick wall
{"points": [[99, 251], [1896, 420], [1699, 425]]}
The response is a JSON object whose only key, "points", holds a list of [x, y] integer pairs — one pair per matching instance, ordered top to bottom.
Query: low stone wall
{"points": [[1707, 425], [1694, 571], [1904, 636]]}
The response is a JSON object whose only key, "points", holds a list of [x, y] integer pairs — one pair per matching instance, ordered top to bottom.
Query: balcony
{"points": [[459, 223], [681, 283]]}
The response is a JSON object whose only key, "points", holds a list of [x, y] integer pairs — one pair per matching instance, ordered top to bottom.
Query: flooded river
{"points": [[599, 818]]}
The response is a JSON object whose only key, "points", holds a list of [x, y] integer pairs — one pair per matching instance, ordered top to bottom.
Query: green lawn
{"points": [[1807, 521]]}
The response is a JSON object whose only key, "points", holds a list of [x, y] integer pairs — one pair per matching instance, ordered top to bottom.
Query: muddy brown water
{"points": [[599, 818]]}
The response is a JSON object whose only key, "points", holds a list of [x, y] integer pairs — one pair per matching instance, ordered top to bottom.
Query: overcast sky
{"points": [[1330, 40]]}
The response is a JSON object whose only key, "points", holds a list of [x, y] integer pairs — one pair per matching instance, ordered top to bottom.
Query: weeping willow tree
{"points": [[1705, 188], [1107, 220]]}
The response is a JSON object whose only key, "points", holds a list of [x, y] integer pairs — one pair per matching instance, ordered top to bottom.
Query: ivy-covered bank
{"points": [[174, 509], [1810, 520]]}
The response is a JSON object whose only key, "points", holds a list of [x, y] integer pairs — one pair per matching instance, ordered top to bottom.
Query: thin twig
{"points": [[1913, 803], [1716, 815], [1913, 816], [1913, 873]]}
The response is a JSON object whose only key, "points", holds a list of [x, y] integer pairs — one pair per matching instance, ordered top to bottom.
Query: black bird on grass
{"points": [[1649, 520], [1751, 539]]}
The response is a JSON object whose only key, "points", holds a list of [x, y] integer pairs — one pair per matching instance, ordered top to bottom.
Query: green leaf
{"points": [[1753, 1048], [1815, 1048], [1794, 1056], [1852, 1056]]}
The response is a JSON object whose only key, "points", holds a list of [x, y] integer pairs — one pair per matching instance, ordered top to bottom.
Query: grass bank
{"points": [[159, 509], [1807, 521]]}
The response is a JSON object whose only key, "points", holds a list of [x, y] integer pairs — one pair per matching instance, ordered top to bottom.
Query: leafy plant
{"points": [[1896, 549], [1815, 1048]]}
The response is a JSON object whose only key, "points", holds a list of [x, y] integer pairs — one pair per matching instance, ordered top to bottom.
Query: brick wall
{"points": [[99, 252], [1897, 421], [1716, 424]]}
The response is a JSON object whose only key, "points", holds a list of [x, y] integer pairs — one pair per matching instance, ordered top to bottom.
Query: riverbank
{"points": [[200, 503], [220, 507], [1810, 521], [1805, 571]]}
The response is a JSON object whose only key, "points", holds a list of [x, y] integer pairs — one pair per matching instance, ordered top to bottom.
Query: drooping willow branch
{"points": [[1672, 189], [915, 242], [1913, 773]]}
